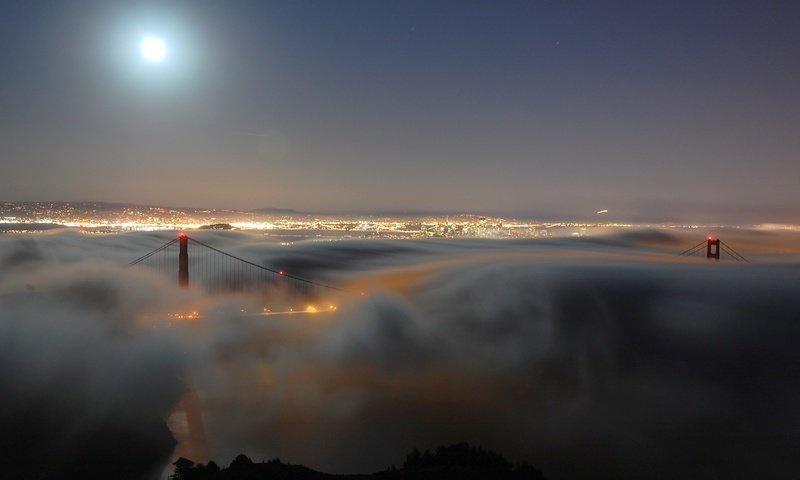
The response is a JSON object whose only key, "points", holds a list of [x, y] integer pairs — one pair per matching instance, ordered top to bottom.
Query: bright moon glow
{"points": [[153, 49]]}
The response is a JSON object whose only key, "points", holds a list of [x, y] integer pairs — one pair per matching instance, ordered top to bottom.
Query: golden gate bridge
{"points": [[714, 247], [186, 259], [216, 270], [219, 271]]}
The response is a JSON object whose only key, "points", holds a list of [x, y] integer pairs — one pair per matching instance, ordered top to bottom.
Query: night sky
{"points": [[671, 110]]}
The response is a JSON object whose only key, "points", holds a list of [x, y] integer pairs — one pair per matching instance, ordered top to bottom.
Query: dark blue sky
{"points": [[657, 110]]}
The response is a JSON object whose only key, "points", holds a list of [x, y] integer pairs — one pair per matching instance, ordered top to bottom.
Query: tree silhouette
{"points": [[455, 462], [183, 469]]}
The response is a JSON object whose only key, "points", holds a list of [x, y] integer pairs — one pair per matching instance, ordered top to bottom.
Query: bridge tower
{"points": [[712, 251], [183, 260]]}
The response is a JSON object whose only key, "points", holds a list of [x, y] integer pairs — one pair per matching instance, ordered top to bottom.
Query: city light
{"points": [[95, 217]]}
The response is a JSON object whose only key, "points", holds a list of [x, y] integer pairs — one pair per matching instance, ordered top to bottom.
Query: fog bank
{"points": [[592, 358]]}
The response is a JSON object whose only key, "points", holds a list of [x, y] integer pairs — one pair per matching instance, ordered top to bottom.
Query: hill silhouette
{"points": [[460, 461]]}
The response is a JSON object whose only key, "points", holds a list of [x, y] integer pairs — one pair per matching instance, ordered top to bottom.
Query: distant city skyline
{"points": [[655, 111], [18, 216]]}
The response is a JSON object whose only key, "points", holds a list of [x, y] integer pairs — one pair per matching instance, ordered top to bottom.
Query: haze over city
{"points": [[397, 240]]}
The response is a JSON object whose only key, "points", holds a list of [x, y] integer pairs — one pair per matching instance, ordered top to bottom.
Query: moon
{"points": [[153, 49]]}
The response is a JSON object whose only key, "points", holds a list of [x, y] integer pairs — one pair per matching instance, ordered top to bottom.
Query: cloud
{"points": [[570, 354], [591, 358], [86, 380]]}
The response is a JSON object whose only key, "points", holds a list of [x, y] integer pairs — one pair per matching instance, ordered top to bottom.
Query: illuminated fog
{"points": [[591, 358]]}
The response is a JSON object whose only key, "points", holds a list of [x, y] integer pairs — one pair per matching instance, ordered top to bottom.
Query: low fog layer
{"points": [[592, 358]]}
